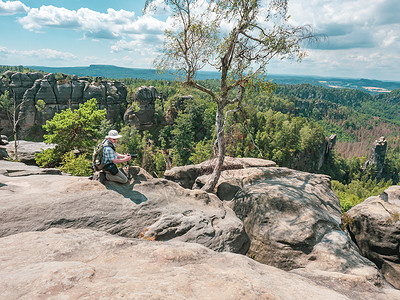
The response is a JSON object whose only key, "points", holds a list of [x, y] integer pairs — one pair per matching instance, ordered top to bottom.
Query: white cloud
{"points": [[12, 7], [158, 8], [93, 24], [111, 25], [145, 25], [362, 37], [144, 44], [39, 54]]}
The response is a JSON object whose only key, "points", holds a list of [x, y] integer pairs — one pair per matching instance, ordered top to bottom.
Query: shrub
{"points": [[71, 130], [76, 165], [357, 191]]}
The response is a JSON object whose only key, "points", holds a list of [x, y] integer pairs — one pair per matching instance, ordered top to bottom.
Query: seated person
{"points": [[111, 156]]}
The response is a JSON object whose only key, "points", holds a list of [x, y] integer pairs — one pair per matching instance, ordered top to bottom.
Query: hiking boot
{"points": [[102, 177]]}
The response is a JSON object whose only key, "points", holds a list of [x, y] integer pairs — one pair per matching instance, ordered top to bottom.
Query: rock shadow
{"points": [[135, 176], [126, 191]]}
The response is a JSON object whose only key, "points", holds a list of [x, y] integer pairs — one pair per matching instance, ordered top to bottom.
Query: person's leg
{"points": [[119, 177]]}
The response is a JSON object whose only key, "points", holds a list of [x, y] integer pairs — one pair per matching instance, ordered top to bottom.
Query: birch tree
{"points": [[236, 37], [12, 108]]}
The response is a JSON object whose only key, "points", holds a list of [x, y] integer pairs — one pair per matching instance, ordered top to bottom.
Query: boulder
{"points": [[145, 97], [3, 140], [27, 150], [3, 153], [186, 175], [391, 195], [155, 209], [293, 220], [375, 226], [71, 264]]}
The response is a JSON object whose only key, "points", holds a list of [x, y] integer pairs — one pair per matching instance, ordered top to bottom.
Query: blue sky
{"points": [[362, 36]]}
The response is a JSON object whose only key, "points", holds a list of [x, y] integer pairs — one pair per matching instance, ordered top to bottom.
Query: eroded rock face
{"points": [[59, 95], [145, 97], [3, 143], [27, 150], [377, 156], [187, 176], [156, 209], [293, 221], [375, 227], [54, 242], [63, 263]]}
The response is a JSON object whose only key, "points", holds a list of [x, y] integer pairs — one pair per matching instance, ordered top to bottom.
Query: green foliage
{"points": [[21, 69], [6, 102], [40, 105], [105, 127], [71, 130], [311, 137], [182, 141], [131, 142], [201, 152], [48, 158], [76, 165], [357, 191]]}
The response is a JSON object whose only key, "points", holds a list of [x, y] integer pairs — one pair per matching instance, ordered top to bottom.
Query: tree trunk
{"points": [[15, 129], [15, 147], [213, 180]]}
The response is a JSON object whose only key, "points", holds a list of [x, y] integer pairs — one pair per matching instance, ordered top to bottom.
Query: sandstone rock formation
{"points": [[58, 94], [145, 97], [3, 140], [3, 143], [27, 150], [377, 157], [312, 162], [16, 169], [186, 175], [152, 208], [293, 220], [375, 226], [54, 243], [71, 264]]}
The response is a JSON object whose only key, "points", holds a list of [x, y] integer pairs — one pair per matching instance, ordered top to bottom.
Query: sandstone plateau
{"points": [[73, 238]]}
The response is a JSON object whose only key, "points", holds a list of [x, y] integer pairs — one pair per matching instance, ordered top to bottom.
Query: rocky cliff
{"points": [[57, 93], [375, 226], [70, 237]]}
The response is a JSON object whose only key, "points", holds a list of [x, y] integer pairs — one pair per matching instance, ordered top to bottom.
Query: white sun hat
{"points": [[113, 134]]}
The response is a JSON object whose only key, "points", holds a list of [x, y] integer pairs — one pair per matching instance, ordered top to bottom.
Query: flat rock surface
{"points": [[152, 208], [86, 264]]}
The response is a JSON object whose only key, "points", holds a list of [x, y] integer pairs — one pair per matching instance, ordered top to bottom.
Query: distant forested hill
{"points": [[108, 71], [356, 117]]}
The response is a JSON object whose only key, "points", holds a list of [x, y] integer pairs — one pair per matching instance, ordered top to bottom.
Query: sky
{"points": [[361, 37]]}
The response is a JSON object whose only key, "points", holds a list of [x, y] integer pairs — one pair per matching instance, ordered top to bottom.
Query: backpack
{"points": [[97, 162]]}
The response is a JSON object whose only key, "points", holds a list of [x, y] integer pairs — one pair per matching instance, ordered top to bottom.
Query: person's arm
{"points": [[121, 158]]}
